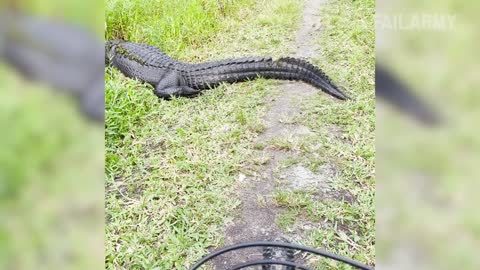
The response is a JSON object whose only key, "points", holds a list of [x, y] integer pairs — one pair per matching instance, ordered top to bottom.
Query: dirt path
{"points": [[258, 213]]}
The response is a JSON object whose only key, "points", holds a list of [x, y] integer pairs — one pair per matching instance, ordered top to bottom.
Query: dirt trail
{"points": [[256, 219]]}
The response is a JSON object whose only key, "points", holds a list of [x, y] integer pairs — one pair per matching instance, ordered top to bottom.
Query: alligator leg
{"points": [[172, 84]]}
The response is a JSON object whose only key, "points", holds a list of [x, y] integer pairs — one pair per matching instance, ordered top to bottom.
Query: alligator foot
{"points": [[176, 91]]}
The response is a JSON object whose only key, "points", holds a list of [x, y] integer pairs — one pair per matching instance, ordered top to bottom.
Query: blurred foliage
{"points": [[88, 13], [51, 164], [427, 188]]}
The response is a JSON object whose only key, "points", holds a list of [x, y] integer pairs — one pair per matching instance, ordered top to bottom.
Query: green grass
{"points": [[173, 25], [344, 135], [170, 165]]}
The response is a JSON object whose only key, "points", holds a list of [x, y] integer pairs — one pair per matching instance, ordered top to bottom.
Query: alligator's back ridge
{"points": [[144, 54], [306, 65], [173, 78]]}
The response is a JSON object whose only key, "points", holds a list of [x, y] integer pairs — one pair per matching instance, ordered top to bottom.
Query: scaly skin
{"points": [[173, 78]]}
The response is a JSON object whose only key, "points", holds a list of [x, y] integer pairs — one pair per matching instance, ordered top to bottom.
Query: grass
{"points": [[170, 25], [344, 135], [171, 165]]}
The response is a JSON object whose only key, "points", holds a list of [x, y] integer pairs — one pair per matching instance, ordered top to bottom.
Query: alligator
{"points": [[172, 78]]}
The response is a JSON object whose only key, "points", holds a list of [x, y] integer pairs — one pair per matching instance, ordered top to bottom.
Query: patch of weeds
{"points": [[284, 143], [286, 220]]}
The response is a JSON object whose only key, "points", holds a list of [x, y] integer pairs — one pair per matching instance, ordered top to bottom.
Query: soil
{"points": [[256, 220]]}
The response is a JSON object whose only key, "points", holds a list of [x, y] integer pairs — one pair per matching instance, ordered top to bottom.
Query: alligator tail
{"points": [[286, 68], [302, 70]]}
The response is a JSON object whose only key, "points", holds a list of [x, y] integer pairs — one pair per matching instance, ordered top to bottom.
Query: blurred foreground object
{"points": [[65, 57], [394, 91], [51, 158], [427, 188], [278, 255]]}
